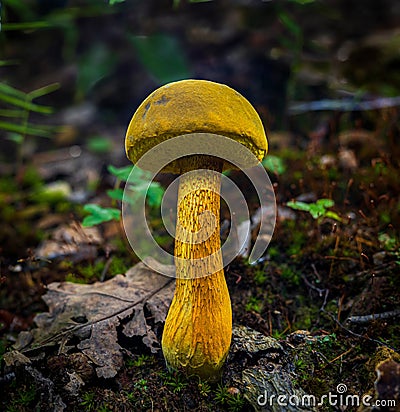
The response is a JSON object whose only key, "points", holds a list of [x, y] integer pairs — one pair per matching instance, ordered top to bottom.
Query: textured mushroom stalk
{"points": [[198, 328]]}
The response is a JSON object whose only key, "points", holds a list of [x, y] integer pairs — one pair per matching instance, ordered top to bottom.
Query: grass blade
{"points": [[43, 90], [12, 91], [26, 105], [11, 113], [41, 131]]}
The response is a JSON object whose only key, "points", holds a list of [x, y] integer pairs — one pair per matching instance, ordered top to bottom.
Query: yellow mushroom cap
{"points": [[194, 106]]}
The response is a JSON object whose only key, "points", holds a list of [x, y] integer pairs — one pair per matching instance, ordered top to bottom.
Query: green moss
{"points": [[31, 178], [8, 185], [63, 206], [8, 213], [273, 252], [118, 265], [92, 270], [290, 275], [260, 276], [73, 278], [254, 305], [23, 399]]}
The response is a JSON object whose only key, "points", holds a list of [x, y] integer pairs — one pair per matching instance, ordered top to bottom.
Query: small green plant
{"points": [[16, 107], [274, 164], [139, 183], [317, 210], [99, 214], [390, 243], [260, 276], [254, 305], [327, 340], [141, 360], [175, 381], [141, 384], [204, 389], [221, 395], [130, 396], [22, 399], [88, 401], [235, 402], [104, 408]]}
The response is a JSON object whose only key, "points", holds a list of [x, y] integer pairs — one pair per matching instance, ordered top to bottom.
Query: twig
{"points": [[345, 105], [105, 269], [376, 271], [311, 286], [325, 300], [361, 320], [357, 335], [341, 355]]}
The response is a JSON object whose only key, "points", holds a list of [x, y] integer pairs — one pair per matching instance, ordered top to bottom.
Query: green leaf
{"points": [[112, 2], [290, 23], [162, 56], [93, 66], [15, 137], [99, 144], [274, 164], [122, 173], [139, 186], [153, 192], [116, 194], [155, 195], [132, 197], [325, 203], [299, 206], [316, 210], [100, 214], [333, 215]]}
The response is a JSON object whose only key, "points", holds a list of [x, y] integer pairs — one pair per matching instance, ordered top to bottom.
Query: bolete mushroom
{"points": [[198, 327]]}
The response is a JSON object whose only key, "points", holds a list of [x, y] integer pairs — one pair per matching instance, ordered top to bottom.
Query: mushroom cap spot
{"points": [[194, 106]]}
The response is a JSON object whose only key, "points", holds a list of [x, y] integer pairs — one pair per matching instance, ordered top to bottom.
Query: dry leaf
{"points": [[73, 240], [94, 313]]}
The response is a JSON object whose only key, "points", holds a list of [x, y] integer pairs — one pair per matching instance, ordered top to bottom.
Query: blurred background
{"points": [[101, 58]]}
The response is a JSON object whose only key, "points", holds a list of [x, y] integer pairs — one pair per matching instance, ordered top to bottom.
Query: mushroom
{"points": [[198, 327]]}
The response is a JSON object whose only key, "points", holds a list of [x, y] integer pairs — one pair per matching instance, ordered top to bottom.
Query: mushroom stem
{"points": [[198, 328]]}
